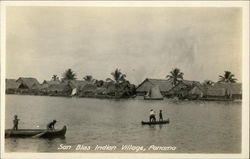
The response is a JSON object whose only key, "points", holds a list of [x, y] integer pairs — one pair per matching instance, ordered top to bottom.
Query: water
{"points": [[195, 126]]}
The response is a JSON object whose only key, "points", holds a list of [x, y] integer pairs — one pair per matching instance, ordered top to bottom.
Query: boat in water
{"points": [[154, 94], [155, 122], [38, 133]]}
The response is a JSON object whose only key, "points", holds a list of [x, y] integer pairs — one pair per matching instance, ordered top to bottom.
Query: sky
{"points": [[143, 42]]}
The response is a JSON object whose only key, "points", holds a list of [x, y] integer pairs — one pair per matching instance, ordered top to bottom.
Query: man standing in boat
{"points": [[152, 116], [160, 116], [15, 122], [51, 125]]}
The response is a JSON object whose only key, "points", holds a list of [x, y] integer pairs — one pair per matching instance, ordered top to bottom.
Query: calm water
{"points": [[195, 126]]}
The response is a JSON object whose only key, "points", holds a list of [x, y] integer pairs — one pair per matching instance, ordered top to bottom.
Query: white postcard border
{"points": [[245, 66]]}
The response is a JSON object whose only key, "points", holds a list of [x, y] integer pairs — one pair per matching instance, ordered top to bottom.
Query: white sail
{"points": [[74, 91]]}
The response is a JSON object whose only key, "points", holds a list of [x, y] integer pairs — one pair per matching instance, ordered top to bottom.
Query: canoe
{"points": [[150, 98], [154, 123], [41, 133]]}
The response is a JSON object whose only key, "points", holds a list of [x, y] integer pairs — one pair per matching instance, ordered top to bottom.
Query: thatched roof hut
{"points": [[27, 82], [75, 83], [11, 84], [147, 84], [89, 88], [183, 88], [221, 89]]}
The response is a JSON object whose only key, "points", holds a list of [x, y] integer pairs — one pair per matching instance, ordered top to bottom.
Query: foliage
{"points": [[69, 75], [175, 75], [228, 77], [55, 78], [89, 78], [208, 83]]}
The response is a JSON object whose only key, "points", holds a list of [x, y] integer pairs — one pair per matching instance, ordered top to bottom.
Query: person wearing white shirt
{"points": [[152, 116]]}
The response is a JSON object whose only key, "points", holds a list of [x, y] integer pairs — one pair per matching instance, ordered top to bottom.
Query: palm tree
{"points": [[69, 75], [175, 75], [228, 77], [55, 78], [89, 78], [118, 78]]}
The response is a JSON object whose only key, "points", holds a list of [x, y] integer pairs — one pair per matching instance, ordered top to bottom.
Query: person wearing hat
{"points": [[152, 116], [15, 122], [51, 125]]}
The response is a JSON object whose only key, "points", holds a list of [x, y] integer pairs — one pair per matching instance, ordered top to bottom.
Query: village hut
{"points": [[27, 82], [147, 84], [75, 85], [11, 86], [61, 89], [182, 89], [88, 90], [225, 90], [197, 92], [154, 94]]}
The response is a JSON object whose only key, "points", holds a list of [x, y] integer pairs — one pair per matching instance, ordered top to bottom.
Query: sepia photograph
{"points": [[156, 79]]}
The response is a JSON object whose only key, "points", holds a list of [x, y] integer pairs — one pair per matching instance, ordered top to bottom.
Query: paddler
{"points": [[152, 116], [15, 122], [51, 125]]}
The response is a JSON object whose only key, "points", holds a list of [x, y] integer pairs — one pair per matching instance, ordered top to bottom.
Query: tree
{"points": [[69, 75], [175, 75], [118, 76], [228, 77], [55, 78], [89, 78], [118, 79], [99, 83], [208, 83]]}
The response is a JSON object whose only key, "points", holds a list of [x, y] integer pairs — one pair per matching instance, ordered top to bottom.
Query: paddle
{"points": [[40, 134]]}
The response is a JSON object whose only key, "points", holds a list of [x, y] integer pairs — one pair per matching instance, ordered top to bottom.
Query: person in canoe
{"points": [[152, 116], [160, 116], [15, 122], [51, 125]]}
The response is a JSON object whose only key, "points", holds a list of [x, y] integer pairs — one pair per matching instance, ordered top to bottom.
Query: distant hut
{"points": [[27, 82], [148, 84], [27, 85], [76, 85], [11, 86], [61, 89], [182, 89], [88, 90], [225, 90], [101, 91], [197, 92], [154, 94]]}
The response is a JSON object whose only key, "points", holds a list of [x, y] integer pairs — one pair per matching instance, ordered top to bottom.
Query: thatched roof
{"points": [[28, 82], [51, 82], [11, 84], [79, 84], [147, 84], [184, 85], [58, 87], [89, 88], [233, 88], [198, 89], [100, 90], [215, 91]]}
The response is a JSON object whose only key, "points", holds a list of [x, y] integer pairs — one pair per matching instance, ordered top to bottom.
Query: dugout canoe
{"points": [[154, 123], [41, 133]]}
